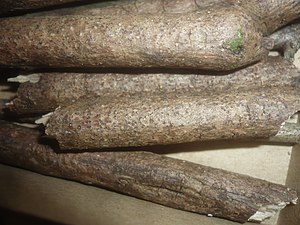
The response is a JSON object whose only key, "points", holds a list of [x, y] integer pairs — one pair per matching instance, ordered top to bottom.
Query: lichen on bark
{"points": [[235, 44]]}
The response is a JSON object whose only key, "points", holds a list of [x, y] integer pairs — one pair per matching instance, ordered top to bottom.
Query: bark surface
{"points": [[9, 6], [138, 7], [270, 14], [201, 39], [222, 39], [287, 41], [44, 92], [174, 118], [171, 182]]}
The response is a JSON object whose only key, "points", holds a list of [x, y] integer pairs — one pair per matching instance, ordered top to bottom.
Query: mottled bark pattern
{"points": [[9, 6], [138, 7], [270, 14], [203, 39], [286, 40], [197, 45], [61, 89], [174, 118], [171, 182]]}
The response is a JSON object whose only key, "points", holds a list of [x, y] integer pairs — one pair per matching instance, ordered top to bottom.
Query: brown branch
{"points": [[136, 6], [8, 7], [270, 14], [191, 39], [187, 40], [42, 93], [173, 118], [171, 182]]}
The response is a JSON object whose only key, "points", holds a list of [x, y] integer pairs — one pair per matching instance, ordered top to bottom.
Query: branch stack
{"points": [[151, 72]]}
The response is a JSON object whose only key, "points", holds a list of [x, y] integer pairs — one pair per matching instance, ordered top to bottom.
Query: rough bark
{"points": [[10, 6], [137, 7], [270, 14], [278, 14], [187, 40], [287, 41], [42, 93], [2, 107], [174, 118], [171, 182]]}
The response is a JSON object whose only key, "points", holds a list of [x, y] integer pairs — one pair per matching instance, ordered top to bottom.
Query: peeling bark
{"points": [[45, 92], [170, 182]]}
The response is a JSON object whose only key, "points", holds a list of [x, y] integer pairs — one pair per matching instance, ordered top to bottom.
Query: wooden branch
{"points": [[12, 6], [137, 7], [270, 14], [187, 40], [287, 41], [197, 42], [42, 93], [173, 118], [171, 182]]}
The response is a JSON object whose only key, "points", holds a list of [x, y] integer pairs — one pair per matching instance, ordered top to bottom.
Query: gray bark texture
{"points": [[170, 182]]}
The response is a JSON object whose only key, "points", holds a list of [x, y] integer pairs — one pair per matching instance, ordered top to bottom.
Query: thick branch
{"points": [[11, 6], [270, 14], [187, 40], [42, 93], [173, 118], [171, 182]]}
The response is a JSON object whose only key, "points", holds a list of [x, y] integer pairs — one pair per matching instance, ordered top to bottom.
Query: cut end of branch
{"points": [[32, 78], [289, 131], [266, 212]]}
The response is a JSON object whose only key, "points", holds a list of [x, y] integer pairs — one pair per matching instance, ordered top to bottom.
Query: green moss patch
{"points": [[235, 44]]}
